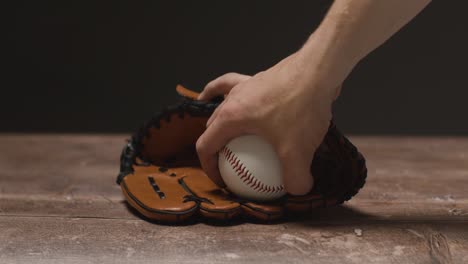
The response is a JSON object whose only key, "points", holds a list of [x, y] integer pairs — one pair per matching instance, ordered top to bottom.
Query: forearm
{"points": [[352, 29]]}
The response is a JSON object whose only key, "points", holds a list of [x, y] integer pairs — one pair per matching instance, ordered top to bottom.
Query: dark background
{"points": [[106, 66]]}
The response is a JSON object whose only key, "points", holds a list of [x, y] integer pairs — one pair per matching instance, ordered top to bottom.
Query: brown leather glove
{"points": [[161, 177]]}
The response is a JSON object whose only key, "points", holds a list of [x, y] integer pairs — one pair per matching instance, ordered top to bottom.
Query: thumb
{"points": [[222, 85], [297, 176]]}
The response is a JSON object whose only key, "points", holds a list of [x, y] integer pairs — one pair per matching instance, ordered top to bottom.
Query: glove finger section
{"points": [[171, 142], [157, 194], [215, 203], [299, 204], [264, 212]]}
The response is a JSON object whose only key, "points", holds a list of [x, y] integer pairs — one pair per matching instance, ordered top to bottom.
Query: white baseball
{"points": [[251, 169]]}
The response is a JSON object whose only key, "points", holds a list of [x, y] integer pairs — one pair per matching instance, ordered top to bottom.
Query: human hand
{"points": [[289, 105]]}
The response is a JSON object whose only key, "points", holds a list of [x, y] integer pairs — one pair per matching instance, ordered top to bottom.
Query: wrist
{"points": [[327, 58], [321, 68]]}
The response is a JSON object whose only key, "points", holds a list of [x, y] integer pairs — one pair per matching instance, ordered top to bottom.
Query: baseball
{"points": [[251, 169]]}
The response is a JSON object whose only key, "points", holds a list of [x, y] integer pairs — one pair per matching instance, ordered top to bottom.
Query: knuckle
{"points": [[230, 75], [221, 80], [210, 86], [231, 113], [200, 147]]}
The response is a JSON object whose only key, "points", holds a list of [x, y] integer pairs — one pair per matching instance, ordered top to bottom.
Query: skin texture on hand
{"points": [[290, 103], [278, 105]]}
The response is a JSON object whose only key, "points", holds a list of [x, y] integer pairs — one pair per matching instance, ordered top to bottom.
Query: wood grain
{"points": [[59, 204]]}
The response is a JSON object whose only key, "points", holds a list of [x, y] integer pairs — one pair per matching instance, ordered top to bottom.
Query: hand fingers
{"points": [[221, 85], [215, 113], [216, 136], [296, 159], [297, 177]]}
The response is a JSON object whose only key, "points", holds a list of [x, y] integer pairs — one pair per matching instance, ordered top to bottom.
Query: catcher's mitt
{"points": [[161, 177]]}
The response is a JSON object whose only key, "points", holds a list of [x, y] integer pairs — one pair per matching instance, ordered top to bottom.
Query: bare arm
{"points": [[354, 28], [290, 103]]}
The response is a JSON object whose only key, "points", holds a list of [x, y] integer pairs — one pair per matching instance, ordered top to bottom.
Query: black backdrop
{"points": [[105, 66]]}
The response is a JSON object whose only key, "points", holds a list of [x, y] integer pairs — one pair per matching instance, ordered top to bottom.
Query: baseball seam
{"points": [[246, 176]]}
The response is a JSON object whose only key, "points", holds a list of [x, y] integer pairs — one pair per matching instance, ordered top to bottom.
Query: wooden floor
{"points": [[59, 204]]}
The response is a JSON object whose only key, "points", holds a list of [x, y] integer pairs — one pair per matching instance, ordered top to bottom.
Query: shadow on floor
{"points": [[339, 215]]}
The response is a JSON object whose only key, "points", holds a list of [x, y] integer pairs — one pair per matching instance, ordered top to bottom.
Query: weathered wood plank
{"points": [[60, 166], [67, 166], [415, 168], [78, 172], [59, 203], [352, 212], [55, 240]]}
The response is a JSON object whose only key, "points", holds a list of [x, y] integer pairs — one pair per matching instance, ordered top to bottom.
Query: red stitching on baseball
{"points": [[246, 176]]}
